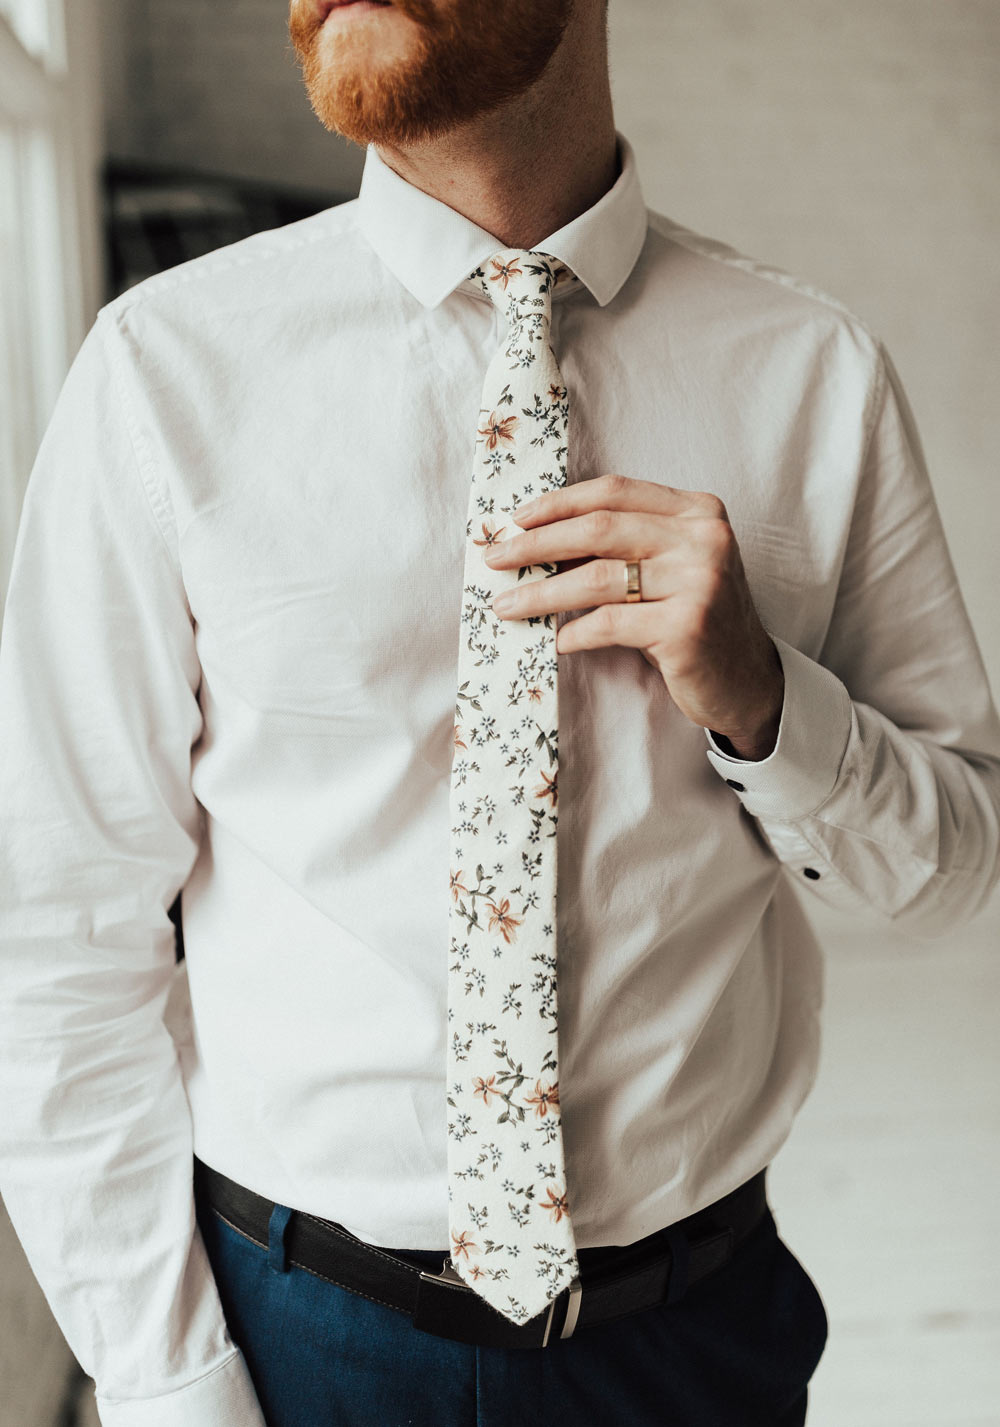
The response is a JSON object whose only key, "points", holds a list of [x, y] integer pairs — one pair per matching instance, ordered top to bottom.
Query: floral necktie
{"points": [[509, 1216]]}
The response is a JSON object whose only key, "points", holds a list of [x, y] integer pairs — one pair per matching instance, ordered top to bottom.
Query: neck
{"points": [[527, 168]]}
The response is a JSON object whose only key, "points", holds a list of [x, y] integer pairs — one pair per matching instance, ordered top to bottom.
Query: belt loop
{"points": [[680, 1249], [277, 1255]]}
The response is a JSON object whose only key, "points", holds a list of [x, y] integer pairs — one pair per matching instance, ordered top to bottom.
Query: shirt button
{"points": [[733, 784], [811, 873]]}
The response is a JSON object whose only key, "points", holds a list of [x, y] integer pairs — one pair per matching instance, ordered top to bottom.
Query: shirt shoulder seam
{"points": [[269, 243], [716, 251], [875, 406], [157, 498]]}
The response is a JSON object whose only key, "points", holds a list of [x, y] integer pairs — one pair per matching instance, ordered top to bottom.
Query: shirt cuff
{"points": [[802, 769], [224, 1397]]}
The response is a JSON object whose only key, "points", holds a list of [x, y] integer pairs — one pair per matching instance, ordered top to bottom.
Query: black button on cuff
{"points": [[731, 783], [811, 873]]}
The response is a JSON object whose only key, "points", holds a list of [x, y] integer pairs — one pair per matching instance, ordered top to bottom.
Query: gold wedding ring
{"points": [[633, 585]]}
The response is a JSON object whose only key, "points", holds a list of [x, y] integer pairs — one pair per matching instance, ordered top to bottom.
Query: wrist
{"points": [[757, 740], [751, 748]]}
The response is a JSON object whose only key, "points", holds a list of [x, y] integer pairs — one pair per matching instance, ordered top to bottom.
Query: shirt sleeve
{"points": [[883, 788], [100, 828]]}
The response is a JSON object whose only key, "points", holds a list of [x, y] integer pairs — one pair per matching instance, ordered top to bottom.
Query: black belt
{"points": [[614, 1281]]}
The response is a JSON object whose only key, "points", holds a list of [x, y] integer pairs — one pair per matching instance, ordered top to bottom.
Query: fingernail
{"points": [[528, 508], [504, 601]]}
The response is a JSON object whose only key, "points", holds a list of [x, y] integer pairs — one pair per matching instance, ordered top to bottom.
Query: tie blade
{"points": [[512, 1238], [520, 1298]]}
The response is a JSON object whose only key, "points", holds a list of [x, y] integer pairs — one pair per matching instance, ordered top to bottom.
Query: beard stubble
{"points": [[462, 60]]}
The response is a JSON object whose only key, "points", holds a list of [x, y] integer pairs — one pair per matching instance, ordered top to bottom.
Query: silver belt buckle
{"points": [[448, 1278], [572, 1312]]}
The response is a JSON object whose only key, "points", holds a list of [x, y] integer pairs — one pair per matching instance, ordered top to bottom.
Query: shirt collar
{"points": [[432, 248]]}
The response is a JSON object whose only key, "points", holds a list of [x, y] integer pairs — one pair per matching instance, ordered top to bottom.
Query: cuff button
{"points": [[731, 783], [811, 873]]}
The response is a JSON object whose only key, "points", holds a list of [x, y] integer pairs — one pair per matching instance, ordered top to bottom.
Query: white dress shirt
{"points": [[228, 666]]}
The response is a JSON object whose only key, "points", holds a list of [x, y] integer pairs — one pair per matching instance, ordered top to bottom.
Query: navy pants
{"points": [[736, 1351]]}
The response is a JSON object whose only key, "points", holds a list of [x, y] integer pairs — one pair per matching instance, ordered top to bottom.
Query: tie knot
{"points": [[519, 281]]}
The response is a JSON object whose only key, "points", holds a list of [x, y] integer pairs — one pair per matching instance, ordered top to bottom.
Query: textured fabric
{"points": [[228, 666], [509, 1215], [737, 1350], [224, 1397]]}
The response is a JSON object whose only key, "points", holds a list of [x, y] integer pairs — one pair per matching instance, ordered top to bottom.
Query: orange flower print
{"points": [[503, 271], [556, 392], [498, 429], [490, 537], [534, 694], [459, 741], [548, 789], [456, 885], [500, 917], [485, 1088], [542, 1099], [556, 1204], [462, 1245], [475, 1271]]}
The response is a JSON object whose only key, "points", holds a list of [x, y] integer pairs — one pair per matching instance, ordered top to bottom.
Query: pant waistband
{"points": [[614, 1281]]}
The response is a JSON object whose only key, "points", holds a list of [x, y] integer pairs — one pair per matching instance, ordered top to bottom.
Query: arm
{"points": [[885, 777], [100, 828]]}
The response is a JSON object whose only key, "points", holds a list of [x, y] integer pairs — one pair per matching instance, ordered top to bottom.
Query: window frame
{"points": [[51, 268]]}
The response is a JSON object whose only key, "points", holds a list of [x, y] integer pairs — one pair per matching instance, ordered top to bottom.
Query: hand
{"points": [[696, 623]]}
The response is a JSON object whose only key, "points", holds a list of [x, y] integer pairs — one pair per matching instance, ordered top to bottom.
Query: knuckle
{"points": [[614, 484], [708, 504], [598, 523], [720, 538], [598, 576], [606, 620]]}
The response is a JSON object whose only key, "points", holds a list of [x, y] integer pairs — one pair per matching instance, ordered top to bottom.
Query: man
{"points": [[229, 667]]}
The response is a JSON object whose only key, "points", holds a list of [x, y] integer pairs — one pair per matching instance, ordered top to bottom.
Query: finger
{"points": [[615, 492], [597, 532], [618, 535], [596, 582], [636, 626]]}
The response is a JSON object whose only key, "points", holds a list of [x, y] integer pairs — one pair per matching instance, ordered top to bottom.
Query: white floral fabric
{"points": [[509, 1204]]}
